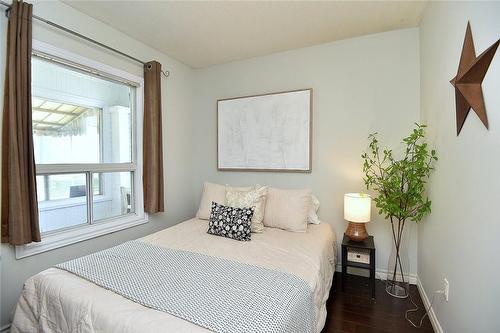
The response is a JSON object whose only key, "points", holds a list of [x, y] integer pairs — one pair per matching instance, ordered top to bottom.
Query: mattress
{"points": [[58, 301]]}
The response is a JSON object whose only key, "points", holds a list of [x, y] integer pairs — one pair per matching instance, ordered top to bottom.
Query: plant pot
{"points": [[398, 279]]}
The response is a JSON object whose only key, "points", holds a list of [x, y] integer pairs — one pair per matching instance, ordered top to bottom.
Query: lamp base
{"points": [[356, 232]]}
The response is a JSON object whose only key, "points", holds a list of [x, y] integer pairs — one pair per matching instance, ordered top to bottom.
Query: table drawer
{"points": [[360, 256]]}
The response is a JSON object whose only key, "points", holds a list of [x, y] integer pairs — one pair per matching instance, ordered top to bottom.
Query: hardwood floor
{"points": [[353, 311]]}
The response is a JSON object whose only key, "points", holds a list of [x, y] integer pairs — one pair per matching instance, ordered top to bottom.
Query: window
{"points": [[86, 127]]}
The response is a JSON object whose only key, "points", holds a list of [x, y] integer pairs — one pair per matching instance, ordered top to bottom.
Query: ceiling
{"points": [[204, 33]]}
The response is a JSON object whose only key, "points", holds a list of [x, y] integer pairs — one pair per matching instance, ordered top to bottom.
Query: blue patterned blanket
{"points": [[215, 293]]}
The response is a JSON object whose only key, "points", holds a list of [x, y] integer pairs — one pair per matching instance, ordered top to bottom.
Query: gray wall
{"points": [[362, 85], [176, 90], [460, 239]]}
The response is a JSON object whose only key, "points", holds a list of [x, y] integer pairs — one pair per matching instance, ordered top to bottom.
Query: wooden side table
{"points": [[368, 245]]}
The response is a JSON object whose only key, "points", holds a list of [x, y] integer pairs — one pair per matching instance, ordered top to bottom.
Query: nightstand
{"points": [[359, 255]]}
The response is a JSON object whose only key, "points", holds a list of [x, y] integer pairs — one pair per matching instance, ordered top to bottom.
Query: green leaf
{"points": [[400, 183]]}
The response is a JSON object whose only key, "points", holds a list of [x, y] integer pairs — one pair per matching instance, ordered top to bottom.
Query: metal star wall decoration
{"points": [[467, 82]]}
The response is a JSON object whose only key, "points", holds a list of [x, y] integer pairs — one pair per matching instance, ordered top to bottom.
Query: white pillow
{"points": [[216, 193], [255, 198], [287, 209], [313, 212]]}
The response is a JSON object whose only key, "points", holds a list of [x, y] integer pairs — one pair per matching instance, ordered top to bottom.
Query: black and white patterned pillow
{"points": [[230, 222]]}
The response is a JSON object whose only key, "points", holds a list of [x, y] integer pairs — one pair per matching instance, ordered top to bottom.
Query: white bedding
{"points": [[58, 301]]}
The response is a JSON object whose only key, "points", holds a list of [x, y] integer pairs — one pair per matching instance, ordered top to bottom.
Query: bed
{"points": [[56, 300]]}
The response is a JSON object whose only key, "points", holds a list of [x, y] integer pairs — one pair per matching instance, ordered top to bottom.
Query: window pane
{"points": [[78, 117], [74, 141], [96, 184], [67, 186], [40, 188], [117, 195], [65, 203]]}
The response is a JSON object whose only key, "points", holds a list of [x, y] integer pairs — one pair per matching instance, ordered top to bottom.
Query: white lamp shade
{"points": [[357, 207]]}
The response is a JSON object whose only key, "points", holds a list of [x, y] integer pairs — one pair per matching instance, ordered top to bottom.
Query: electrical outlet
{"points": [[446, 289]]}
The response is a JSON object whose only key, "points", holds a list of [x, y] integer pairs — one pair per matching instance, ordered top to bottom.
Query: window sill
{"points": [[79, 234]]}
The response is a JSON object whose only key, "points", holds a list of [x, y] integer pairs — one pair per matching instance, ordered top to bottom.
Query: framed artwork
{"points": [[269, 132]]}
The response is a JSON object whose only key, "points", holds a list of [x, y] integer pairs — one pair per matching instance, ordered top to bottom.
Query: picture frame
{"points": [[269, 132]]}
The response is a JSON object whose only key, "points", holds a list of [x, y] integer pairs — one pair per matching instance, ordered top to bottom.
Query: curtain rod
{"points": [[55, 25]]}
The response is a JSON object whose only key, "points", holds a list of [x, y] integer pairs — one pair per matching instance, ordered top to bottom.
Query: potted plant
{"points": [[399, 183]]}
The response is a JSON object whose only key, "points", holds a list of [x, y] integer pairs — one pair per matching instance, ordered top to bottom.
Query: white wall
{"points": [[362, 85], [176, 93], [460, 239]]}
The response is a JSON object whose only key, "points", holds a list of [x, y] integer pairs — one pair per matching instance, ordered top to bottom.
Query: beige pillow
{"points": [[211, 192], [216, 193], [245, 199], [287, 209]]}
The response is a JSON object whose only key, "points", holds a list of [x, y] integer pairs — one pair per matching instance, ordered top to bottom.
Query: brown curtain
{"points": [[152, 139], [19, 201]]}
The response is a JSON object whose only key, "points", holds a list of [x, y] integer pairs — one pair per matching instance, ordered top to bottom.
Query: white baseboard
{"points": [[381, 274], [432, 315], [5, 328]]}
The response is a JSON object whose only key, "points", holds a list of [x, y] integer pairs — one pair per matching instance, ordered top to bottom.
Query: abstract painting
{"points": [[269, 132]]}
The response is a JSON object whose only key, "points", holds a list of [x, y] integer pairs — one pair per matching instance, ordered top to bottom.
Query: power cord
{"points": [[416, 308]]}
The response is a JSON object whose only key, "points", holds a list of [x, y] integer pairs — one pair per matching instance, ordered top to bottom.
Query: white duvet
{"points": [[58, 301]]}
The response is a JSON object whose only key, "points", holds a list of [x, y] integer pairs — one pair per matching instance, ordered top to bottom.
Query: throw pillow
{"points": [[255, 198], [230, 222]]}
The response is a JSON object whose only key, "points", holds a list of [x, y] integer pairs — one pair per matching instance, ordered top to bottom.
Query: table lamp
{"points": [[357, 210]]}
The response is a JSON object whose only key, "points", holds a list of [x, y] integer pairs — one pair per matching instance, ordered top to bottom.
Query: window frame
{"points": [[66, 236]]}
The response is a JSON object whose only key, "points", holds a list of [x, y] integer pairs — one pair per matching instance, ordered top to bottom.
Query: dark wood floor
{"points": [[353, 311]]}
